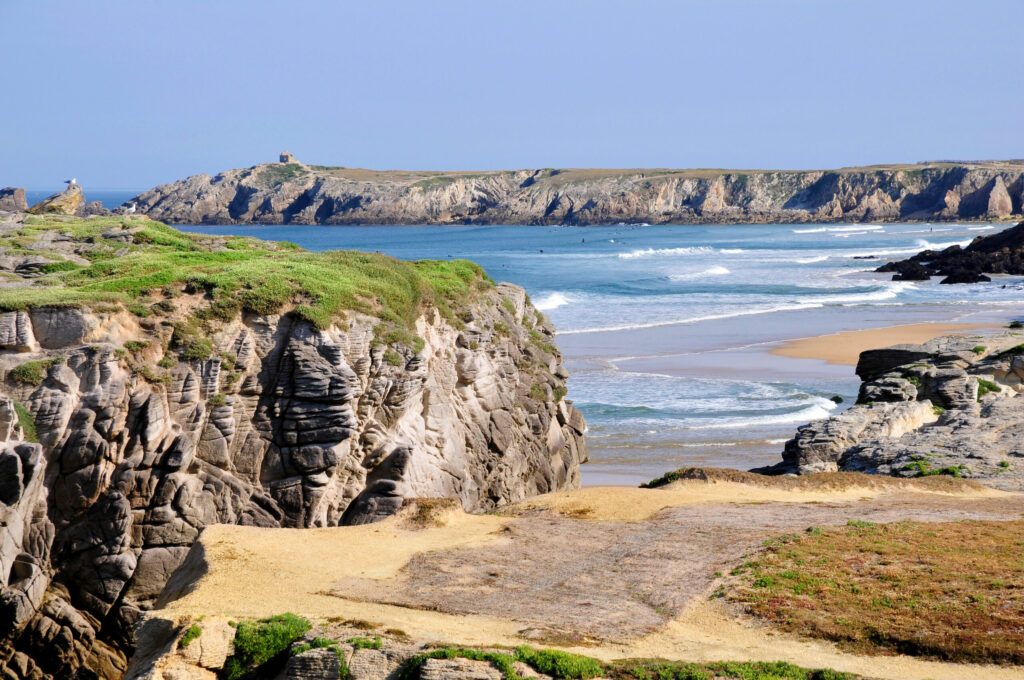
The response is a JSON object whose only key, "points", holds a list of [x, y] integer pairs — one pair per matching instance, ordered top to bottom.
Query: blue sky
{"points": [[131, 94]]}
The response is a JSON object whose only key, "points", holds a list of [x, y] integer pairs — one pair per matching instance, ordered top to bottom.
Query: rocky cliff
{"points": [[278, 193], [1001, 253], [155, 383], [952, 406]]}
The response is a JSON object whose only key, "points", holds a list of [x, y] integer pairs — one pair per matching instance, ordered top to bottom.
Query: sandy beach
{"points": [[845, 347]]}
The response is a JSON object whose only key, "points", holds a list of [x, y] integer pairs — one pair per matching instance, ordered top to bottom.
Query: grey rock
{"points": [[342, 196], [12, 199], [299, 428], [315, 664], [458, 669]]}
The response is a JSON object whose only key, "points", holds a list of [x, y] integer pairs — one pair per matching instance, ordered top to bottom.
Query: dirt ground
{"points": [[610, 572]]}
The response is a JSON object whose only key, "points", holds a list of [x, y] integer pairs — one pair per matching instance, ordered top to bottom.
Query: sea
{"points": [[667, 330]]}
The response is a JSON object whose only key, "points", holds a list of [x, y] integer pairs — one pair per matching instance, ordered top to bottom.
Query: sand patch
{"points": [[845, 347]]}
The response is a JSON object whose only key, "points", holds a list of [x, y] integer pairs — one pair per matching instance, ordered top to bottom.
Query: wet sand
{"points": [[845, 347]]}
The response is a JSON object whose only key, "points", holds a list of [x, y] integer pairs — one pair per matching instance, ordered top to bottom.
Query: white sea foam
{"points": [[986, 228], [830, 230], [849, 234], [920, 244], [732, 251], [655, 252], [811, 260], [717, 270], [552, 301], [694, 319], [819, 408]]}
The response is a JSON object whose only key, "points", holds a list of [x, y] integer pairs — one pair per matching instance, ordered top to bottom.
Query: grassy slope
{"points": [[236, 273], [952, 590]]}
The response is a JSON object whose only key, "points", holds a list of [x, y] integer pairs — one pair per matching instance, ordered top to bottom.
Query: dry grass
{"points": [[819, 481], [952, 591]]}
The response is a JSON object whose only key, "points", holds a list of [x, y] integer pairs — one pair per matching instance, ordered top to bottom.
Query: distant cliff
{"points": [[292, 192]]}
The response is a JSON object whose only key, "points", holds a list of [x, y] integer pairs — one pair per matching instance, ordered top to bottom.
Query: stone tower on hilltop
{"points": [[288, 157]]}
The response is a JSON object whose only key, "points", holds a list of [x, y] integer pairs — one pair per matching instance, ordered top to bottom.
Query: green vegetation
{"points": [[272, 175], [236, 273], [1016, 324], [136, 346], [979, 349], [32, 373], [987, 386], [836, 399], [217, 400], [938, 410], [26, 422], [1005, 464], [922, 468], [664, 480], [892, 587], [193, 632], [360, 642], [324, 643], [261, 646], [557, 664], [566, 666], [749, 670]]}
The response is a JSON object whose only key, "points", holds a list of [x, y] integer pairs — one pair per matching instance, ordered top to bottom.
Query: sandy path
{"points": [[845, 347], [635, 587]]}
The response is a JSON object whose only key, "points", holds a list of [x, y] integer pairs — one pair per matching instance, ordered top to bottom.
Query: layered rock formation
{"points": [[276, 193], [13, 199], [1001, 253], [951, 406], [123, 435]]}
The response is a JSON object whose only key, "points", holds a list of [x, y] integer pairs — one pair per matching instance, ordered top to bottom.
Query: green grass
{"points": [[272, 175], [238, 273], [979, 349], [31, 373], [986, 387], [27, 422], [922, 468], [193, 632], [361, 642], [262, 646], [566, 666], [748, 670]]}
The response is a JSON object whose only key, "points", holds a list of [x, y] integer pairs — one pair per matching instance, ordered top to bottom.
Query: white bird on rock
{"points": [[71, 182], [130, 210]]}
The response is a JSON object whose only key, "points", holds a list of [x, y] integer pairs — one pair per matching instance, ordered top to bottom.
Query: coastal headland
{"points": [[292, 192]]}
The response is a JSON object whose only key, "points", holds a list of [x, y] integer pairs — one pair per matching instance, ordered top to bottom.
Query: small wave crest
{"points": [[830, 230], [656, 252], [811, 260], [690, 276], [552, 301], [818, 409]]}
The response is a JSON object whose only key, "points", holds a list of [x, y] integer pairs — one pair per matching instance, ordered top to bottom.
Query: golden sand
{"points": [[845, 347]]}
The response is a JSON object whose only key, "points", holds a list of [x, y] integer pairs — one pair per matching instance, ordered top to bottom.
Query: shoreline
{"points": [[844, 348]]}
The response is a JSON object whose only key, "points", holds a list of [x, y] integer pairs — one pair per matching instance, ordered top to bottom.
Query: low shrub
{"points": [[262, 645]]}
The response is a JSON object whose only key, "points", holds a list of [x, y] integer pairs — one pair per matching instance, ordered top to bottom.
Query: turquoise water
{"points": [[658, 323]]}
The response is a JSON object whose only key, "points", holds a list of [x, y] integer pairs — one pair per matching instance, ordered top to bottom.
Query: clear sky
{"points": [[133, 93]]}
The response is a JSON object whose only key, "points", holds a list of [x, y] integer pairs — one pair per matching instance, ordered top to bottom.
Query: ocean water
{"points": [[665, 329]]}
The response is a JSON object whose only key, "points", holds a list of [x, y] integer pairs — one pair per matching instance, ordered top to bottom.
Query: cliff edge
{"points": [[157, 382]]}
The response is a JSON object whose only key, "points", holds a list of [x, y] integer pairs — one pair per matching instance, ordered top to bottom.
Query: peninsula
{"points": [[291, 192]]}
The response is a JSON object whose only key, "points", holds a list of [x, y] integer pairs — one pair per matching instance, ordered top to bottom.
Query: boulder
{"points": [[13, 199], [68, 202]]}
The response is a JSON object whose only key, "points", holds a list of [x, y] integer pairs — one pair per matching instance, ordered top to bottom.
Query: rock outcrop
{"points": [[280, 193], [13, 199], [71, 201], [1001, 253], [951, 406], [120, 440]]}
